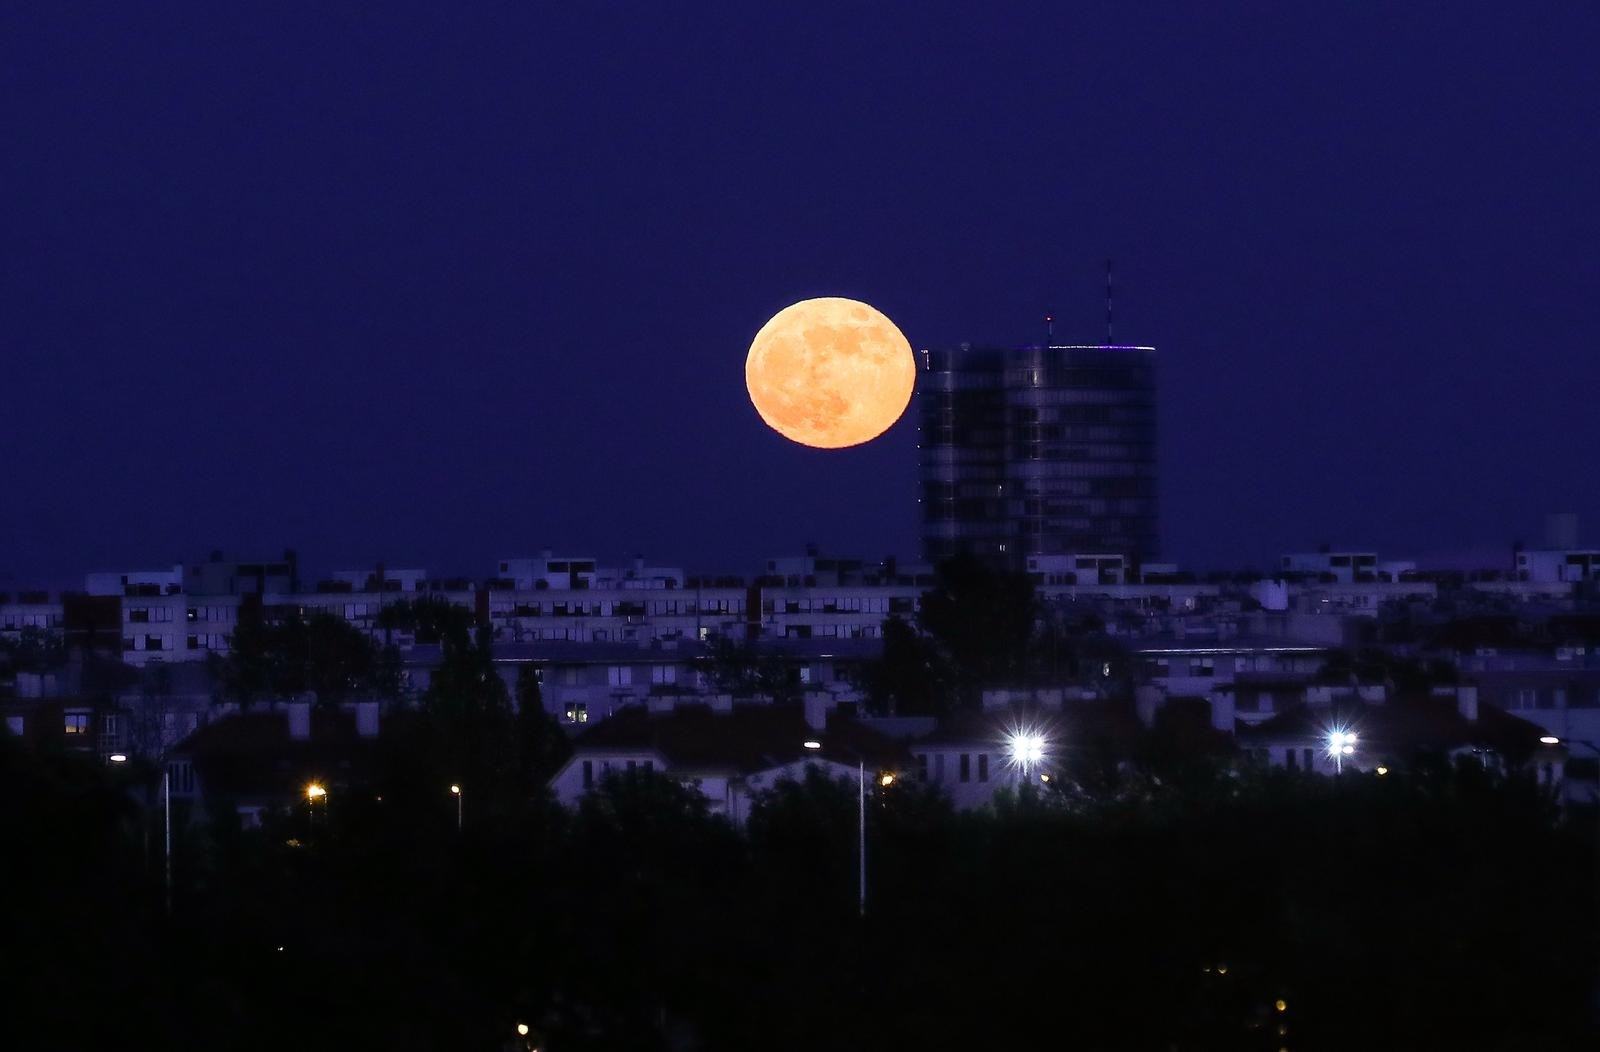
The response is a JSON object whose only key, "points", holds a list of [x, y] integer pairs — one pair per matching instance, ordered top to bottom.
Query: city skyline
{"points": [[282, 285]]}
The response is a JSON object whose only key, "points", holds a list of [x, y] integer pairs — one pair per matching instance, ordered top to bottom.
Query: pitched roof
{"points": [[1113, 723], [1405, 724], [750, 738], [250, 754]]}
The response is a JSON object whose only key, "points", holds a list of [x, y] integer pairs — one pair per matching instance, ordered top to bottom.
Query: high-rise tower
{"points": [[1038, 451]]}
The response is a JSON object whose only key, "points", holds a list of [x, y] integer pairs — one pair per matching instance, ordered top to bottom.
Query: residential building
{"points": [[1566, 566], [1358, 737], [730, 754], [262, 759]]}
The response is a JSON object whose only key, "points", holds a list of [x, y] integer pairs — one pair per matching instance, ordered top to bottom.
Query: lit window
{"points": [[76, 723]]}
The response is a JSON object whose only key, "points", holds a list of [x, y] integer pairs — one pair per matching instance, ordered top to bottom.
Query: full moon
{"points": [[830, 373]]}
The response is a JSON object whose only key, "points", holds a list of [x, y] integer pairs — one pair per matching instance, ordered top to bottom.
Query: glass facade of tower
{"points": [[1038, 451]]}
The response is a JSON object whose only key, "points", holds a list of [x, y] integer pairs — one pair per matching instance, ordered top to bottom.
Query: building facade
{"points": [[1038, 451]]}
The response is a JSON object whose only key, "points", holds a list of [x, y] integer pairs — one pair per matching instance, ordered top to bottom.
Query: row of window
{"points": [[855, 604], [618, 608], [13, 622], [622, 675], [1555, 698], [79, 725], [964, 766], [632, 767]]}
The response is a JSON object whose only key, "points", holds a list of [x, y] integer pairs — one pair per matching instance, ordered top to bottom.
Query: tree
{"points": [[431, 619], [982, 620], [34, 650], [325, 654], [746, 669], [912, 678], [468, 710], [542, 745]]}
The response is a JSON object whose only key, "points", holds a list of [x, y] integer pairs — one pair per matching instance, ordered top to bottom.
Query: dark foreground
{"points": [[1439, 909]]}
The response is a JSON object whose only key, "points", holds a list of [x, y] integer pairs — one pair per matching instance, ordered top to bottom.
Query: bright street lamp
{"points": [[1340, 745], [1026, 750], [455, 791], [314, 793]]}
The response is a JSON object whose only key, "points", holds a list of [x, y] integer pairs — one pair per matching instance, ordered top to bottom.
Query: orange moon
{"points": [[830, 373]]}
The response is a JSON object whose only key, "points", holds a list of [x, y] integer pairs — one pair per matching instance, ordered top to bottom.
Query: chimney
{"points": [[1561, 531], [1146, 701], [1467, 702], [816, 706], [1222, 711], [367, 719], [299, 720]]}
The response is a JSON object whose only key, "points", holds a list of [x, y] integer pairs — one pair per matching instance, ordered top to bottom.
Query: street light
{"points": [[1551, 739], [813, 745], [1340, 745], [1027, 749], [455, 791], [314, 792]]}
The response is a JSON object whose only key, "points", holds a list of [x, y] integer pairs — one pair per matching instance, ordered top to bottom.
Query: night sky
{"points": [[437, 284]]}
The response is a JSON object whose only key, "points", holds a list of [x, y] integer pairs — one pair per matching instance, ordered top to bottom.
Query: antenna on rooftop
{"points": [[1108, 301]]}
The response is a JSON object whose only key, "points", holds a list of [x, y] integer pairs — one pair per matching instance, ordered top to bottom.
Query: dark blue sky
{"points": [[440, 283]]}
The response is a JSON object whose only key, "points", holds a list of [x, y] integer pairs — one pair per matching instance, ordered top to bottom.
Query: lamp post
{"points": [[1551, 739], [1340, 745], [1027, 750], [165, 789], [455, 790], [315, 792], [166, 805], [861, 825]]}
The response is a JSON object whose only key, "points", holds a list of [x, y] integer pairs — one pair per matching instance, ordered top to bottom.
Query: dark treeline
{"points": [[1166, 909]]}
